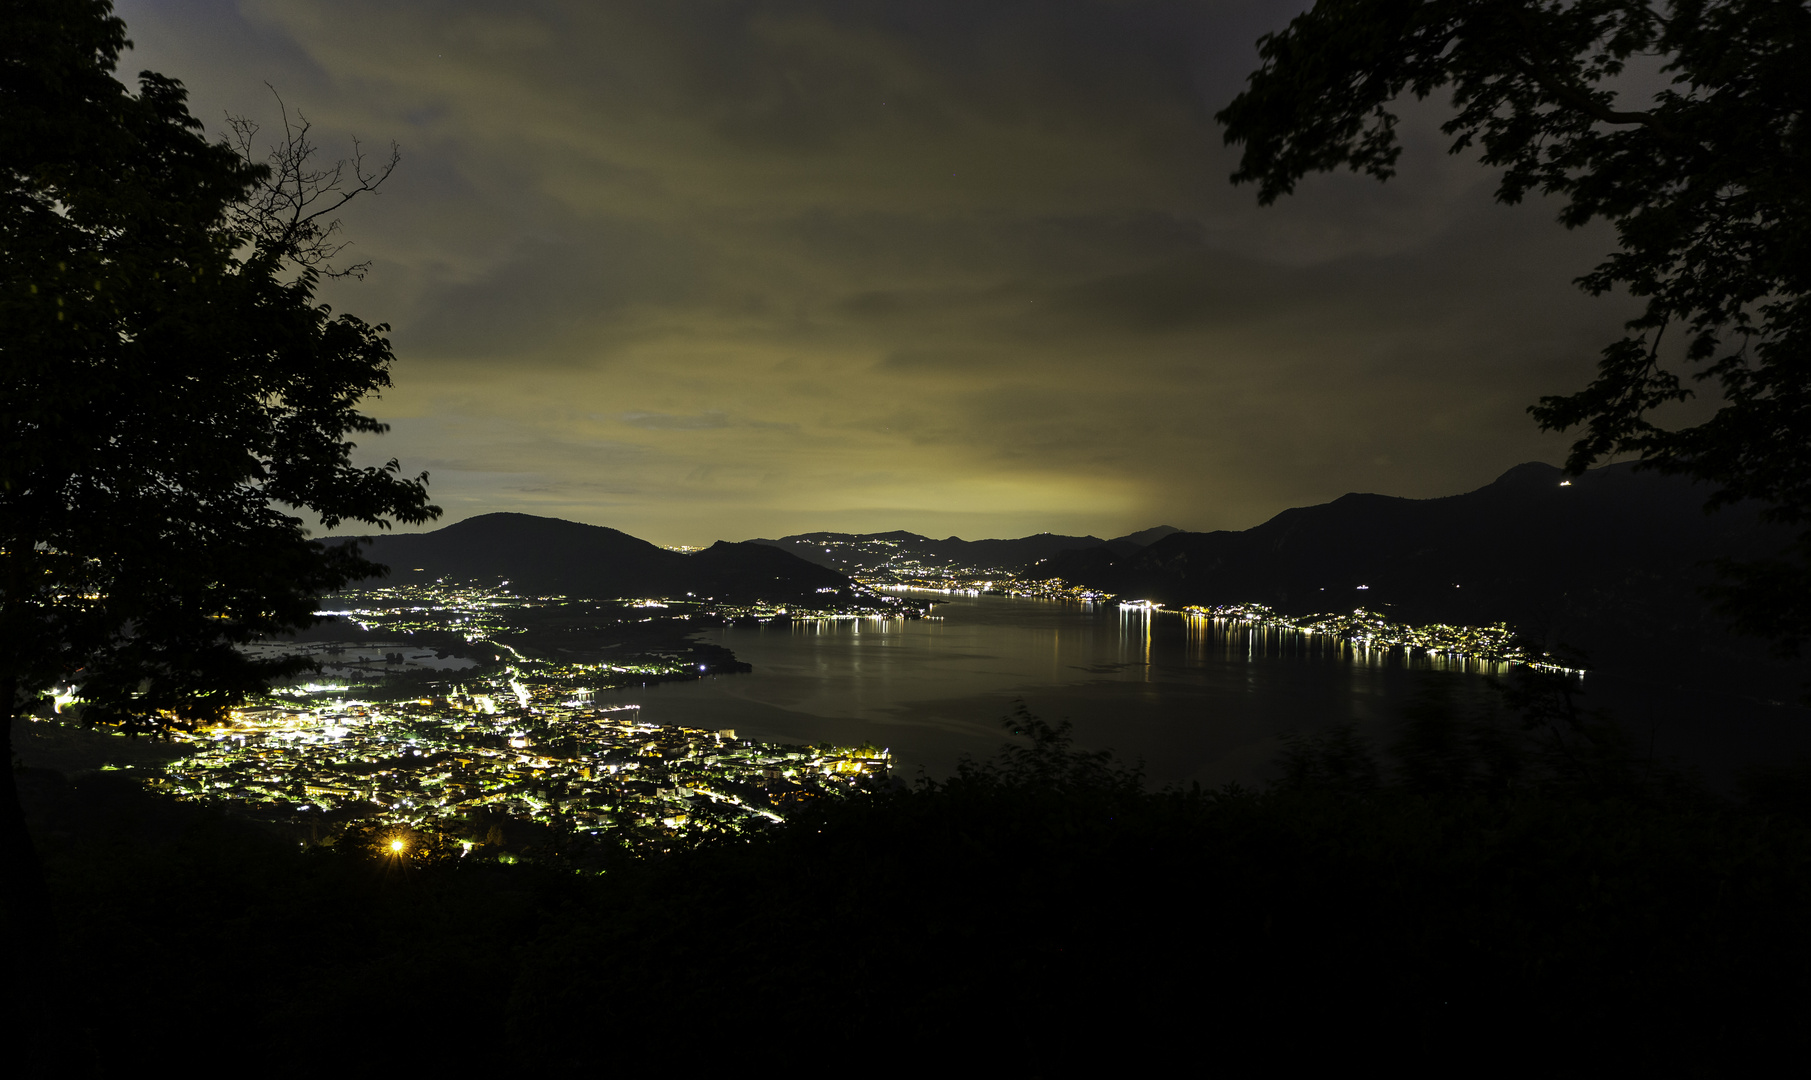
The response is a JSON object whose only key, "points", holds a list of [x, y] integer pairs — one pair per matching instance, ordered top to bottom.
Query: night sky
{"points": [[703, 270]]}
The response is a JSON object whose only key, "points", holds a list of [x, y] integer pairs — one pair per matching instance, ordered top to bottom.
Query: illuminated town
{"points": [[884, 563], [889, 563], [478, 613], [1496, 644], [442, 717], [475, 720], [464, 766]]}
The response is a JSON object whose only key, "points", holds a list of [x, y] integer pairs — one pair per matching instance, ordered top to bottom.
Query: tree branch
{"points": [[292, 213]]}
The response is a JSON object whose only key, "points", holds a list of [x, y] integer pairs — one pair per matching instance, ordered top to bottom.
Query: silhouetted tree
{"points": [[1705, 185], [171, 398], [1435, 747], [1575, 747], [1337, 759], [1047, 761], [1779, 787]]}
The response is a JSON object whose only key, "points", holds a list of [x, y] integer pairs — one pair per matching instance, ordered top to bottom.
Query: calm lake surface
{"points": [[1191, 699]]}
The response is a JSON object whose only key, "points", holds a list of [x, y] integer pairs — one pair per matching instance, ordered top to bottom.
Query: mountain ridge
{"points": [[859, 553], [551, 555], [1614, 560]]}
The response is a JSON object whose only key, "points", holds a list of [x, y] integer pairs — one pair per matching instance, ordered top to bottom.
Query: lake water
{"points": [[1191, 699]]}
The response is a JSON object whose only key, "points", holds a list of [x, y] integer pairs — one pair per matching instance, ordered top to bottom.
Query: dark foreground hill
{"points": [[868, 553], [547, 555], [1613, 561], [1044, 916]]}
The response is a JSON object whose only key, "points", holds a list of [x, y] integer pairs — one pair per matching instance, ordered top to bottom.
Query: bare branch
{"points": [[292, 212]]}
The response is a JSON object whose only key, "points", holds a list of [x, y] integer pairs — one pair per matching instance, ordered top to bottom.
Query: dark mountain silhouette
{"points": [[1147, 537], [873, 552], [547, 555], [1614, 560]]}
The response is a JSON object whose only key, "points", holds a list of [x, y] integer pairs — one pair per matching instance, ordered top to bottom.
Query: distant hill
{"points": [[1147, 537], [869, 553], [548, 555], [1613, 560]]}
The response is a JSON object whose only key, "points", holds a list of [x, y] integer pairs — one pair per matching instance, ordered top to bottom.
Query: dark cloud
{"points": [[715, 270], [535, 293], [675, 423]]}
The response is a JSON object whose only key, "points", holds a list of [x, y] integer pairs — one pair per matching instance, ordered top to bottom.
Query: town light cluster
{"points": [[494, 734]]}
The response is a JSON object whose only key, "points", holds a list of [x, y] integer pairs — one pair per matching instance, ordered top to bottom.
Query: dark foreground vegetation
{"points": [[1496, 897]]}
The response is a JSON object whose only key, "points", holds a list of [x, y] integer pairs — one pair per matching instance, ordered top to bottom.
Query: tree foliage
{"points": [[1706, 184], [172, 396]]}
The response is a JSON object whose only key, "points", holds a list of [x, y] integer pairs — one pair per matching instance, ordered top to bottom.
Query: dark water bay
{"points": [[1192, 699]]}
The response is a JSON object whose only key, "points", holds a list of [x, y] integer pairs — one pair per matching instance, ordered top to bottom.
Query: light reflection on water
{"points": [[1252, 642], [1194, 698]]}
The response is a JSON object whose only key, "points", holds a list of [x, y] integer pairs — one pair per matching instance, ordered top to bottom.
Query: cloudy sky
{"points": [[702, 269]]}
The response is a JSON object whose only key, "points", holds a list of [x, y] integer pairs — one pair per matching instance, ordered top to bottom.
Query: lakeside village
{"points": [[884, 565], [468, 744], [485, 750], [506, 778]]}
